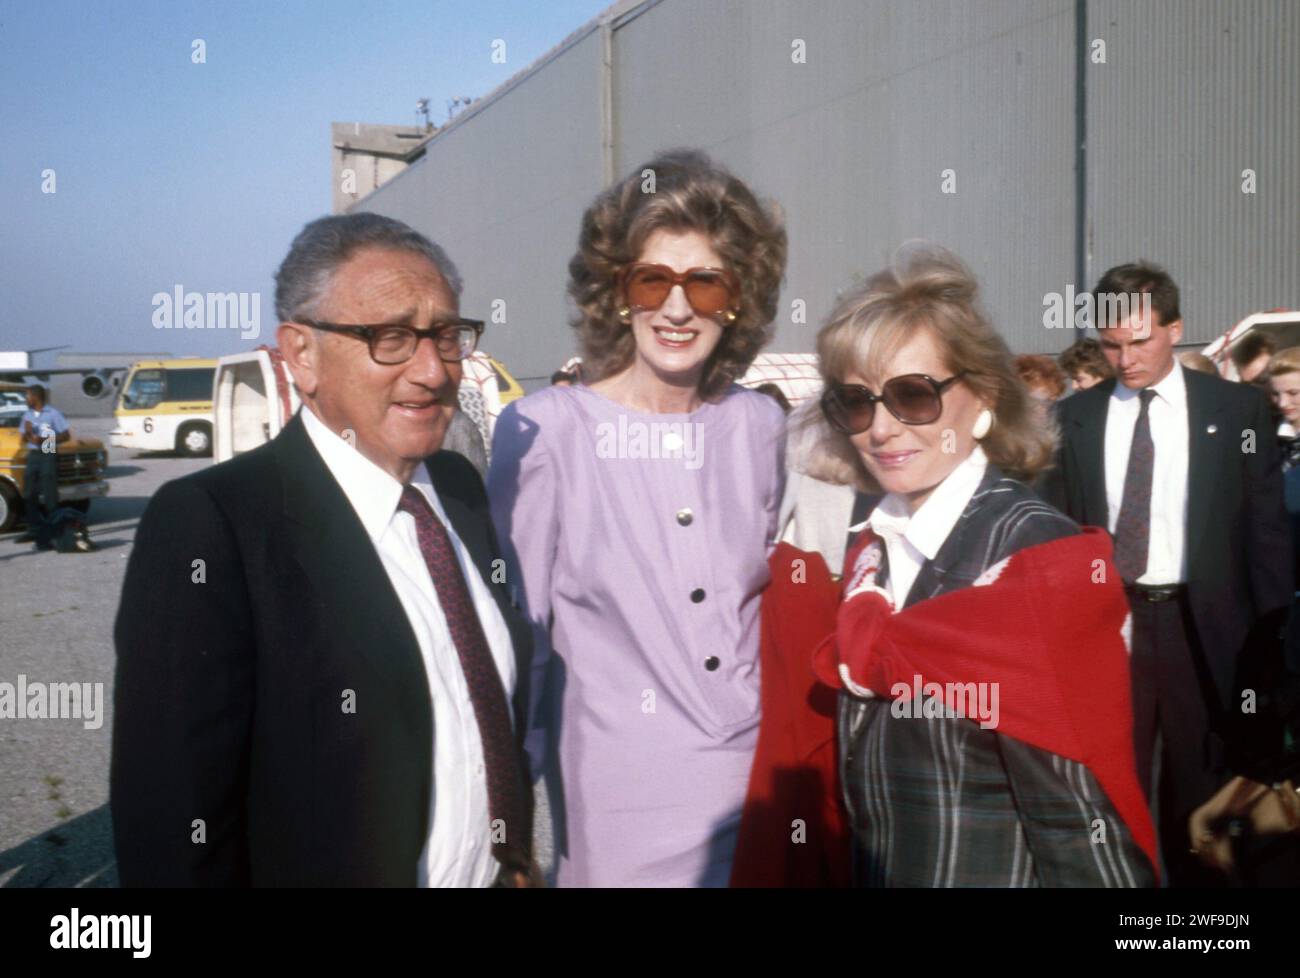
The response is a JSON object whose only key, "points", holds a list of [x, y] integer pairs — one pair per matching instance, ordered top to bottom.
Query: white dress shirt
{"points": [[1170, 435], [913, 538], [458, 851]]}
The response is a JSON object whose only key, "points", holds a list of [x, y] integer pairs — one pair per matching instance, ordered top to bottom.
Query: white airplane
{"points": [[96, 382]]}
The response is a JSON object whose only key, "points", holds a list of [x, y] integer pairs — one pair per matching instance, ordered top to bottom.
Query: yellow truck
{"points": [[166, 406], [82, 463]]}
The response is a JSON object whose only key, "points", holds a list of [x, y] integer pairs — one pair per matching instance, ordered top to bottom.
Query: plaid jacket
{"points": [[938, 801]]}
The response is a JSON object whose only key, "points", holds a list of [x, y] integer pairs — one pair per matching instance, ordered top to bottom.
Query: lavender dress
{"points": [[641, 544]]}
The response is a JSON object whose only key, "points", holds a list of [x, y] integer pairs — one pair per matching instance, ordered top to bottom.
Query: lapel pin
{"points": [[1211, 429]]}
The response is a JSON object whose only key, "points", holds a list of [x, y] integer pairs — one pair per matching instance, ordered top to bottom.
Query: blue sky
{"points": [[169, 172]]}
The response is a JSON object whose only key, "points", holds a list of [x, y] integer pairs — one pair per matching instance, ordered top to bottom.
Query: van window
{"points": [[190, 384], [145, 391], [13, 406]]}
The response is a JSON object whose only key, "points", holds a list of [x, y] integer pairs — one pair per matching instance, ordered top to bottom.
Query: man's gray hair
{"points": [[327, 242]]}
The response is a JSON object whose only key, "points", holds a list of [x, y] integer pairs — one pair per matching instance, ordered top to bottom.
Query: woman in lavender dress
{"points": [[637, 510]]}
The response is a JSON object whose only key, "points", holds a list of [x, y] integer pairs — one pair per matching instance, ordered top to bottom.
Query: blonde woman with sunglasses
{"points": [[977, 639]]}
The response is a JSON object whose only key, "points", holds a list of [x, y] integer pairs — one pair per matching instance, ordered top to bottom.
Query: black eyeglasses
{"points": [[454, 339], [911, 398]]}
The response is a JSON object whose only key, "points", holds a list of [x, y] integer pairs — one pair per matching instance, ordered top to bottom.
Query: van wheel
{"points": [[194, 440], [8, 508]]}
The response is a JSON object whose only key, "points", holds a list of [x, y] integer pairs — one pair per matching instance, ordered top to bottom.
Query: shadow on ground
{"points": [[106, 509], [111, 509], [28, 550], [75, 853]]}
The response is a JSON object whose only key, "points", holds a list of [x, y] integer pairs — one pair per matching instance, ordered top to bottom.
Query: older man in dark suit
{"points": [[1183, 469], [316, 655]]}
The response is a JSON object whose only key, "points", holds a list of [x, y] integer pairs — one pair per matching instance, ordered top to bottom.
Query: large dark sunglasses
{"points": [[710, 291], [454, 339], [911, 398]]}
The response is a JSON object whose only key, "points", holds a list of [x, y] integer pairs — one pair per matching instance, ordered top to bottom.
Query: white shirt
{"points": [[1171, 437], [913, 538], [458, 851]]}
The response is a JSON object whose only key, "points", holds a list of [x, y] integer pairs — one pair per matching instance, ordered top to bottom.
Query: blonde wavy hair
{"points": [[691, 193], [925, 288], [1284, 361]]}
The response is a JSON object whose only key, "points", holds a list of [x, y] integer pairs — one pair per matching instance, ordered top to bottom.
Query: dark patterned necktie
{"points": [[1133, 528], [505, 783]]}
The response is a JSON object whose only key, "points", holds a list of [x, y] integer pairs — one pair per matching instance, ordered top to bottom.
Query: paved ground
{"points": [[56, 625]]}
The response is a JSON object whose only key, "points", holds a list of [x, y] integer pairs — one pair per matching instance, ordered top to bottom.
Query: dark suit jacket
{"points": [[1239, 569], [232, 677]]}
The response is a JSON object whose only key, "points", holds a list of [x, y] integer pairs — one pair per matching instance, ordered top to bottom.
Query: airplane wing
{"points": [[42, 373], [95, 381]]}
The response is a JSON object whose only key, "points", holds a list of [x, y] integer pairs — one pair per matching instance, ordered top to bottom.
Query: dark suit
{"points": [[1238, 548], [1187, 654], [229, 698]]}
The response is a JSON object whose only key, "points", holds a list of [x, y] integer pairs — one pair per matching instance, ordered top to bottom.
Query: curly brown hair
{"points": [[690, 193], [1085, 356], [1037, 370]]}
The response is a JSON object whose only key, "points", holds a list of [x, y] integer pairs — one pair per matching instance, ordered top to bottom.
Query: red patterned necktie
{"points": [[1133, 528], [491, 709]]}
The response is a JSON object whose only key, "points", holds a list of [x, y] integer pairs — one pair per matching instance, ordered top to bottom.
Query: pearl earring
{"points": [[983, 424]]}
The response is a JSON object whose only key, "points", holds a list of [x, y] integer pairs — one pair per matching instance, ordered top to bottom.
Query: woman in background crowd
{"points": [[1198, 362], [1085, 364], [1040, 374], [1284, 391], [815, 514]]}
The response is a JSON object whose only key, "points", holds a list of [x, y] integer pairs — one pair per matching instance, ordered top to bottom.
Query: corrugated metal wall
{"points": [[1192, 93], [853, 143], [502, 190]]}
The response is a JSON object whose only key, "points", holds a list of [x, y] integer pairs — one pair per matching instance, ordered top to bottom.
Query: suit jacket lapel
{"points": [[1204, 450], [1090, 458], [471, 531], [956, 550], [928, 579], [352, 588]]}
